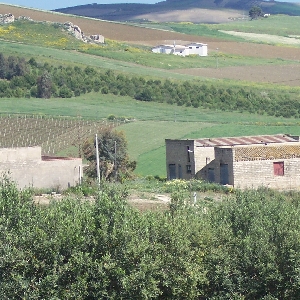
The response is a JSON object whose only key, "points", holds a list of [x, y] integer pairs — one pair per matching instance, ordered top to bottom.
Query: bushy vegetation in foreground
{"points": [[243, 248]]}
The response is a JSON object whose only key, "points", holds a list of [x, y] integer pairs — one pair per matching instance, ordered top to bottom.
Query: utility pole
{"points": [[97, 160], [115, 161]]}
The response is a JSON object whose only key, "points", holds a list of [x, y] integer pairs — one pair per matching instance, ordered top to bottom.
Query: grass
{"points": [[275, 24], [39, 33]]}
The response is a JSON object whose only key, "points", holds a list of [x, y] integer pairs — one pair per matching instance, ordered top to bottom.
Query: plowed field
{"points": [[289, 74]]}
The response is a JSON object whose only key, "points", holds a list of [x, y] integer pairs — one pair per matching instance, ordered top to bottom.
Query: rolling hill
{"points": [[207, 11]]}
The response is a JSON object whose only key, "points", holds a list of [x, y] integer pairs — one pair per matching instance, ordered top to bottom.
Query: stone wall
{"points": [[253, 166], [28, 168], [259, 170]]}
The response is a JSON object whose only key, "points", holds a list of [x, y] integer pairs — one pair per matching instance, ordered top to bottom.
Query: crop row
{"points": [[52, 134]]}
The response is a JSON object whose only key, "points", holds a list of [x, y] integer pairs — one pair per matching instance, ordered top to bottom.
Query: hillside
{"points": [[207, 11]]}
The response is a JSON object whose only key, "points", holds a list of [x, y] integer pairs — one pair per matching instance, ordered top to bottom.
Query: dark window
{"points": [[191, 47], [197, 47], [188, 168], [278, 168]]}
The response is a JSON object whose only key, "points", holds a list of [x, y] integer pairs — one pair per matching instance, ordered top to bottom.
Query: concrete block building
{"points": [[244, 162], [28, 168]]}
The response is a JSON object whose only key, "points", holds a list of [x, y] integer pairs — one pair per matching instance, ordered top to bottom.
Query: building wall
{"points": [[198, 48], [180, 154], [223, 161], [204, 162], [253, 166], [26, 167]]}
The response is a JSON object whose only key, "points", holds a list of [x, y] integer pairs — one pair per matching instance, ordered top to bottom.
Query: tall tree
{"points": [[255, 12], [44, 85]]}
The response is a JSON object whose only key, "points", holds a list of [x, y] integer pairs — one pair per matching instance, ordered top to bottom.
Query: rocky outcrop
{"points": [[7, 18], [74, 29], [78, 33]]}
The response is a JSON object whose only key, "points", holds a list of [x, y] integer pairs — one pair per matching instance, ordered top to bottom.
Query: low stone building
{"points": [[244, 162], [28, 168]]}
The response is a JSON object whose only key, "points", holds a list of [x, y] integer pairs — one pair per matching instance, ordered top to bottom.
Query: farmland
{"points": [[231, 62], [229, 244]]}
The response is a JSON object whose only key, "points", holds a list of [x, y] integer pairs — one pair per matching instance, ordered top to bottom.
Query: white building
{"points": [[197, 48], [182, 50]]}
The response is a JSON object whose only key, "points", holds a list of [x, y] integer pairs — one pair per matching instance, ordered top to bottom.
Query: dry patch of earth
{"points": [[196, 15], [265, 38], [277, 74], [139, 200]]}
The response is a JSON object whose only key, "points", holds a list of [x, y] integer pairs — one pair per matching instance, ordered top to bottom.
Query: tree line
{"points": [[32, 79], [246, 247]]}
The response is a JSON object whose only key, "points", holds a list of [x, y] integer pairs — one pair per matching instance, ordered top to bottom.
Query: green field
{"points": [[153, 123]]}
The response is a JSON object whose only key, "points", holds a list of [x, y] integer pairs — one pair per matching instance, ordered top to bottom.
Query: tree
{"points": [[255, 12], [44, 85], [113, 156]]}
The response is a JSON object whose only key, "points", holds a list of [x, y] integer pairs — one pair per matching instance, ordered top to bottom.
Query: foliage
{"points": [[255, 12], [44, 85], [114, 162], [243, 248]]}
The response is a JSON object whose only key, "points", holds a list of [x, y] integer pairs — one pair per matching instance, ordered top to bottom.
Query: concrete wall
{"points": [[197, 48], [177, 154], [224, 156], [204, 159], [244, 166], [27, 168]]}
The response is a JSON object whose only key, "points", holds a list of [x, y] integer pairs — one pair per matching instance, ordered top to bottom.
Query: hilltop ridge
{"points": [[206, 11]]}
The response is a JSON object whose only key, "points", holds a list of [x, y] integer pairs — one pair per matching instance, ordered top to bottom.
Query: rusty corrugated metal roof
{"points": [[245, 140]]}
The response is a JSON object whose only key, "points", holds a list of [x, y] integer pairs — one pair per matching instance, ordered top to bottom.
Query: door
{"points": [[172, 171], [179, 171], [224, 176]]}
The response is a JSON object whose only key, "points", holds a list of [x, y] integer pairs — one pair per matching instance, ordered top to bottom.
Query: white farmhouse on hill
{"points": [[182, 50]]}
